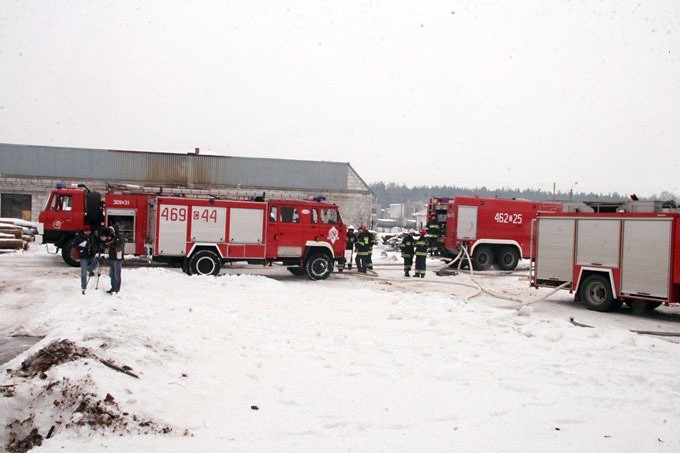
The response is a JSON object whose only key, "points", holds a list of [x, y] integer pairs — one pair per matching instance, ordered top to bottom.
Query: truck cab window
{"points": [[62, 203], [273, 214], [289, 214], [329, 216]]}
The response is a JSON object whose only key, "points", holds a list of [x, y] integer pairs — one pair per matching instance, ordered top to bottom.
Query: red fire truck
{"points": [[494, 230], [201, 232], [607, 259]]}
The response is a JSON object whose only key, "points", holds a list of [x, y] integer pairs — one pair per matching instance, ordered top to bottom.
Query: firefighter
{"points": [[433, 233], [363, 246], [421, 248], [407, 249]]}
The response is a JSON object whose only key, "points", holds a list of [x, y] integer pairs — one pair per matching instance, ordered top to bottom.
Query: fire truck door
{"points": [[125, 220], [467, 222], [286, 233], [645, 268]]}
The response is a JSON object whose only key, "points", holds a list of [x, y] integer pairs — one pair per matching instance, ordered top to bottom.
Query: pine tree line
{"points": [[392, 193]]}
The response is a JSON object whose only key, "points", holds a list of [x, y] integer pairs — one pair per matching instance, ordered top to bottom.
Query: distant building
{"points": [[28, 172], [421, 218]]}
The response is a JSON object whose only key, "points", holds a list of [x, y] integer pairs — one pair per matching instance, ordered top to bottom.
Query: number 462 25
{"points": [[504, 217]]}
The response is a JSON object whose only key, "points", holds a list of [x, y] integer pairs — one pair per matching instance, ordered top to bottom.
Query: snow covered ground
{"points": [[273, 362]]}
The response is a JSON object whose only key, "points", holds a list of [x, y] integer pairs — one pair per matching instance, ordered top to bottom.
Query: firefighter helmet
{"points": [[351, 227], [364, 227], [422, 231]]}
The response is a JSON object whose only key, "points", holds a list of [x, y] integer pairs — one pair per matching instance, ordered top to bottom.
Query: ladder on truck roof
{"points": [[182, 192], [221, 194]]}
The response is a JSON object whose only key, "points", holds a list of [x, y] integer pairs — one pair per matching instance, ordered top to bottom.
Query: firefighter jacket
{"points": [[433, 229], [351, 240], [365, 243], [407, 246], [422, 246]]}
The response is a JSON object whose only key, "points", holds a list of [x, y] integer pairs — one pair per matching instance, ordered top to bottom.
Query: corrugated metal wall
{"points": [[170, 169]]}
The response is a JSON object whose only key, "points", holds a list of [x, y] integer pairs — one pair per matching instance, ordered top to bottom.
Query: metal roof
{"points": [[189, 170]]}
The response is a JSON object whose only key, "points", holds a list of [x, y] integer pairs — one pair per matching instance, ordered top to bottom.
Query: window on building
{"points": [[15, 205]]}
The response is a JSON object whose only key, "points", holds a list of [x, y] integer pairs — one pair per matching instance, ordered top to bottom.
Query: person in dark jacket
{"points": [[86, 244], [364, 245], [349, 247], [422, 247], [116, 249], [407, 250]]}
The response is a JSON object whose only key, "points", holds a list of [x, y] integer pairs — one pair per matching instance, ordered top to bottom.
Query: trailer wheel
{"points": [[69, 253], [482, 258], [508, 258], [205, 262], [319, 266], [295, 270], [596, 294]]}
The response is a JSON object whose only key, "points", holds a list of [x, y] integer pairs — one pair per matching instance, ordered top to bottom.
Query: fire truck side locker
{"points": [[126, 220], [466, 225], [171, 228], [246, 233], [555, 261], [645, 270]]}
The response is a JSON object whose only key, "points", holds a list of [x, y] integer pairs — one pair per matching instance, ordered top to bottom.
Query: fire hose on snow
{"points": [[480, 289]]}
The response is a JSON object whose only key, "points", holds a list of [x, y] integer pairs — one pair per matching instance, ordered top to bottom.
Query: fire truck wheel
{"points": [[69, 253], [482, 258], [508, 259], [205, 262], [318, 266], [296, 270], [596, 294]]}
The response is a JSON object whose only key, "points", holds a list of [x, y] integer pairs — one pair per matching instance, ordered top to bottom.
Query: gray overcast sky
{"points": [[497, 93]]}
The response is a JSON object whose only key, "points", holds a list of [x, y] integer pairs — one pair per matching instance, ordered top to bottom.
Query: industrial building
{"points": [[28, 172]]}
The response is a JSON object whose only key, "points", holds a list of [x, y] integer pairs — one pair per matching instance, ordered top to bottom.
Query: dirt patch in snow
{"points": [[64, 404]]}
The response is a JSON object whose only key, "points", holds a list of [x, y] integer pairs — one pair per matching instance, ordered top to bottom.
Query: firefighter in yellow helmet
{"points": [[364, 248]]}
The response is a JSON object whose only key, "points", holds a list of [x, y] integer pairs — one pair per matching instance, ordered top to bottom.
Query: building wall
{"points": [[34, 170]]}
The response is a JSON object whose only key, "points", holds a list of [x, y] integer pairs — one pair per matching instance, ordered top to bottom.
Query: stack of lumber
{"points": [[15, 234]]}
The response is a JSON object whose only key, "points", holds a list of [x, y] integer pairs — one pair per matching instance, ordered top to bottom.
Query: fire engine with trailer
{"points": [[200, 230], [494, 230], [608, 259]]}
